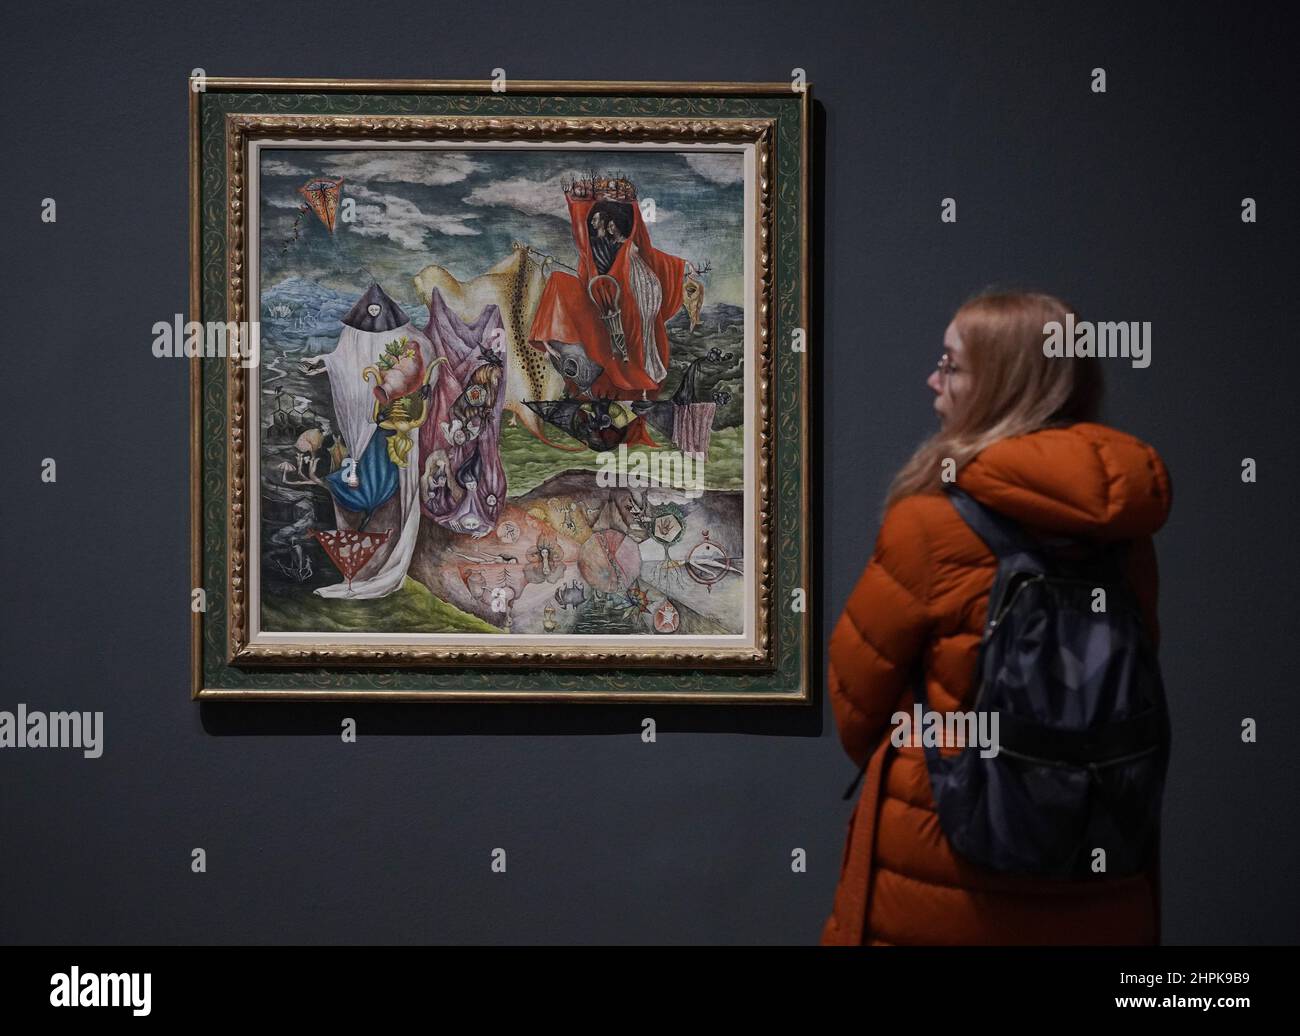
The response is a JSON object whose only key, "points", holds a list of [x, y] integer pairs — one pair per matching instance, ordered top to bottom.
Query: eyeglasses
{"points": [[946, 367]]}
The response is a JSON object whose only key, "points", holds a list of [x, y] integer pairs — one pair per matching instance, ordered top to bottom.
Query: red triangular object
{"points": [[350, 549]]}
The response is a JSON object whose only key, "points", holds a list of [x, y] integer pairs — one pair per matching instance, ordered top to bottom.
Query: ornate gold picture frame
{"points": [[514, 399]]}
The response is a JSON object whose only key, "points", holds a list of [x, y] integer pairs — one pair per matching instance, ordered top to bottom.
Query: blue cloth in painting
{"points": [[377, 478]]}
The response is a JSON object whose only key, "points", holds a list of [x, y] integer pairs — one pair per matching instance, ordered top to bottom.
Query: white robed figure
{"points": [[378, 488]]}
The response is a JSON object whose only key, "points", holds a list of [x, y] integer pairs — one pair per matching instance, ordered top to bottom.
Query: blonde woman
{"points": [[1020, 430]]}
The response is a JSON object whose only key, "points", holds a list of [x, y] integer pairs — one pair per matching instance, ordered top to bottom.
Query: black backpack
{"points": [[1083, 726]]}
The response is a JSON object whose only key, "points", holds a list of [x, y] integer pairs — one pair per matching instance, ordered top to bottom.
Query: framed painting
{"points": [[499, 393]]}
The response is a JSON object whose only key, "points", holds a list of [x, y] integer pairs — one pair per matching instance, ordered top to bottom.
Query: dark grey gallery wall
{"points": [[1126, 203]]}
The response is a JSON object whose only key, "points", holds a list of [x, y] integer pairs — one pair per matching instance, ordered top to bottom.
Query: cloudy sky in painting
{"points": [[463, 210]]}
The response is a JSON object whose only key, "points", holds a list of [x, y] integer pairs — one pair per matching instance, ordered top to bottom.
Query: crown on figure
{"points": [[601, 188]]}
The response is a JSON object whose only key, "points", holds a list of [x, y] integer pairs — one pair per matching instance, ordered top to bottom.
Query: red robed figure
{"points": [[566, 313]]}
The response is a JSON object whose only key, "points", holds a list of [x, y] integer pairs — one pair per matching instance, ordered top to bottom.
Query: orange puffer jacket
{"points": [[924, 596]]}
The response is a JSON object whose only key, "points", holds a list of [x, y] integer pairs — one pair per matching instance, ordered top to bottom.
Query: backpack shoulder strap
{"points": [[999, 533], [1005, 538]]}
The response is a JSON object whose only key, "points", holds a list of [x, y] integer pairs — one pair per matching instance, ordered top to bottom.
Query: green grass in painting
{"points": [[530, 462], [411, 609]]}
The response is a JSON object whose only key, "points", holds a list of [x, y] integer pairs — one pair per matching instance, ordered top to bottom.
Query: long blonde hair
{"points": [[1014, 387]]}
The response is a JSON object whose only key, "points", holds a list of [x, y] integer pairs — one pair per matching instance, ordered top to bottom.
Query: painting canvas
{"points": [[502, 392], [516, 399]]}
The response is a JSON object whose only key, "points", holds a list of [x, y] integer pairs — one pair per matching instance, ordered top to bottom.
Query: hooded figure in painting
{"points": [[616, 307], [381, 374], [464, 486]]}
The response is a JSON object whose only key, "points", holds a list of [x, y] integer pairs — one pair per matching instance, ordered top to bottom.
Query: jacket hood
{"points": [[1084, 480]]}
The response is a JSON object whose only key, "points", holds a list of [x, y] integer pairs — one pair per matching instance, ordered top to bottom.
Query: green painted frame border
{"points": [[789, 681]]}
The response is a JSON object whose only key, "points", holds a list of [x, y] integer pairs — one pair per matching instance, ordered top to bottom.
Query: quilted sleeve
{"points": [[882, 630]]}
